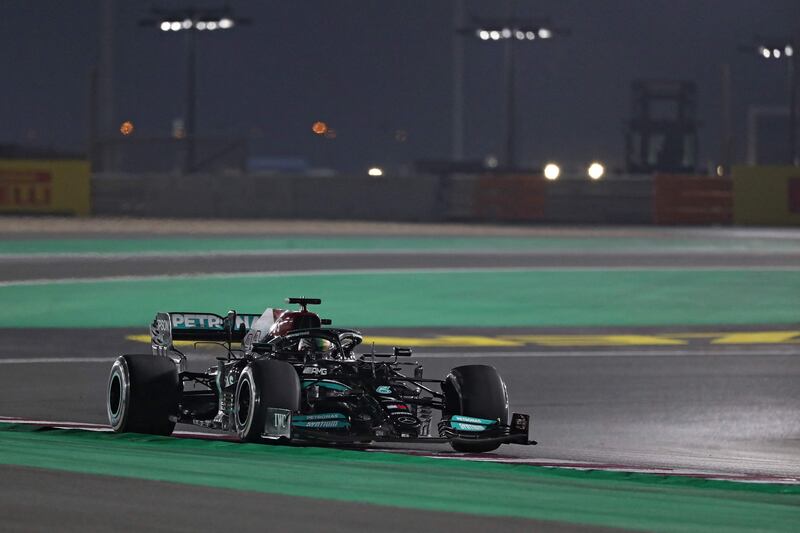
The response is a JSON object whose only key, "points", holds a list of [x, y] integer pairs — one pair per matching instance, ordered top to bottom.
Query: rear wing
{"points": [[183, 326]]}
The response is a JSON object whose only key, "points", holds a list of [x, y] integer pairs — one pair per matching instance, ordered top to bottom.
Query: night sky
{"points": [[369, 68]]}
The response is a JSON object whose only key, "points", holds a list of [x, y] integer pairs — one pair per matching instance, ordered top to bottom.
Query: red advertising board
{"points": [[25, 188]]}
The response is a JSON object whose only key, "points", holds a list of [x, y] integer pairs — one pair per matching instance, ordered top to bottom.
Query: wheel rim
{"points": [[115, 395], [118, 395], [244, 403]]}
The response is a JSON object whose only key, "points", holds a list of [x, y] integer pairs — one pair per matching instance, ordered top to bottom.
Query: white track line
{"points": [[622, 252], [384, 271], [756, 350], [52, 360], [53, 423], [589, 465]]}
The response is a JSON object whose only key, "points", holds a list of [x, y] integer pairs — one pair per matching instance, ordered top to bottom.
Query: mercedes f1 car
{"points": [[294, 378]]}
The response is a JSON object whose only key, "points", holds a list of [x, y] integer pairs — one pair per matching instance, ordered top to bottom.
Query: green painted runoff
{"points": [[182, 245], [411, 299], [638, 501]]}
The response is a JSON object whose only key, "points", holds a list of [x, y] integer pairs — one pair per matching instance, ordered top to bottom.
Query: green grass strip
{"points": [[229, 244], [408, 299], [650, 502]]}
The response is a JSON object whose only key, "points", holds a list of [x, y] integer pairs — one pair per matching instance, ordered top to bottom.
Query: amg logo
{"points": [[314, 371], [279, 420]]}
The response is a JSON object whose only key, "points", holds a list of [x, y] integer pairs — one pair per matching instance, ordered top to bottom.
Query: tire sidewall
{"points": [[119, 379], [267, 384], [247, 385], [467, 389], [146, 391], [477, 391]]}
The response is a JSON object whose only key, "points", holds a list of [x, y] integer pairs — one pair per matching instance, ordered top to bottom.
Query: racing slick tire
{"points": [[263, 384], [478, 391], [143, 395]]}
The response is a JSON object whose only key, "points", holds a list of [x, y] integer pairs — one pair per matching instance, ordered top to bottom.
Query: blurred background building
{"points": [[246, 81]]}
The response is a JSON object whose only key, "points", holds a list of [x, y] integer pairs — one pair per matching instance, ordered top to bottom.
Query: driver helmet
{"points": [[315, 345]]}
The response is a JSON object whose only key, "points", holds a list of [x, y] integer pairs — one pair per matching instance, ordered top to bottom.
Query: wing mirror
{"points": [[229, 323]]}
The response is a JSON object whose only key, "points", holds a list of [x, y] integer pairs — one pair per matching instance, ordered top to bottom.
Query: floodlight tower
{"points": [[191, 21], [512, 31], [782, 50]]}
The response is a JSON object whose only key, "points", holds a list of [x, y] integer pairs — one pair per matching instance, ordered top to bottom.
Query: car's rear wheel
{"points": [[262, 385], [476, 391], [142, 395]]}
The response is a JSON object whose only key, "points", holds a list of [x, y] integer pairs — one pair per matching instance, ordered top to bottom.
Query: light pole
{"points": [[191, 21], [512, 31], [783, 50], [458, 83]]}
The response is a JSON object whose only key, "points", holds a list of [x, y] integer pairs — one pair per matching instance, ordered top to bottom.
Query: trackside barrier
{"points": [[31, 186], [766, 195], [254, 196], [509, 198], [683, 199], [616, 200]]}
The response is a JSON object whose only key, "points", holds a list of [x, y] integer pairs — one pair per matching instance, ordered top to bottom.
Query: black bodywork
{"points": [[345, 397]]}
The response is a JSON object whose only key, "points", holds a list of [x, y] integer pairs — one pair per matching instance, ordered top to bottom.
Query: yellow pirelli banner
{"points": [[34, 186], [766, 195]]}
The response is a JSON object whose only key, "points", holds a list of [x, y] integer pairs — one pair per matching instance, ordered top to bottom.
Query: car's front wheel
{"points": [[263, 384], [475, 391]]}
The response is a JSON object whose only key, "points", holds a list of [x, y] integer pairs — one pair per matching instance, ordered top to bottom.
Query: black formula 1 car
{"points": [[296, 379]]}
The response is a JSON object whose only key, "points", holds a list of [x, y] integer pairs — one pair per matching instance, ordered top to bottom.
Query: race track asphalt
{"points": [[49, 267], [728, 409], [733, 409], [83, 502]]}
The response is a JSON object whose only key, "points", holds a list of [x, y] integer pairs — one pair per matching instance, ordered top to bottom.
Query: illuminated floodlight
{"points": [[225, 23], [186, 24], [200, 25], [211, 25], [165, 26], [175, 26], [506, 33], [544, 33], [483, 35], [495, 35], [520, 35], [530, 35], [788, 51], [764, 52], [776, 53], [319, 127], [126, 128], [375, 171], [552, 171], [596, 171]]}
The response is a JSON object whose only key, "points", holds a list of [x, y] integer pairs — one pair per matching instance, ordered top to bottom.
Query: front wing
{"points": [[282, 424]]}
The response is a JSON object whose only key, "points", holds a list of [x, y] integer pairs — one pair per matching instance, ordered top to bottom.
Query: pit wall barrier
{"points": [[58, 187], [766, 195], [252, 196], [468, 198], [512, 198], [632, 199], [616, 200], [696, 200]]}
